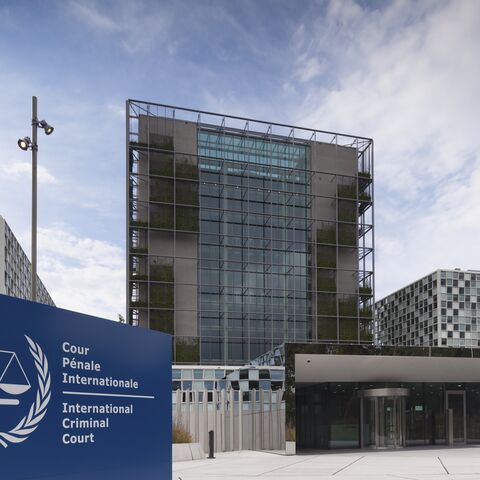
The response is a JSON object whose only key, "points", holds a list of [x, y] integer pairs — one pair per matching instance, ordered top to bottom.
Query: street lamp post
{"points": [[25, 144], [34, 198]]}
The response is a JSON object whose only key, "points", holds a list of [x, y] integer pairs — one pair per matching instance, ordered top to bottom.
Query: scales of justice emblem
{"points": [[14, 382]]}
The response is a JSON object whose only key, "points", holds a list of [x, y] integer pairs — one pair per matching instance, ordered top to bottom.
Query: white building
{"points": [[15, 269], [437, 310], [216, 378]]}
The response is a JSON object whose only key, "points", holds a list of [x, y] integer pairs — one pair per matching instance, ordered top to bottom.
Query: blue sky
{"points": [[403, 72]]}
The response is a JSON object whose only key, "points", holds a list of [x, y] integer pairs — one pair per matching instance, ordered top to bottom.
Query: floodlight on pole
{"points": [[46, 127], [25, 144]]}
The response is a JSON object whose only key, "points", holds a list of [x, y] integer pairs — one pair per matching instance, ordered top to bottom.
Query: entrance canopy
{"points": [[316, 368]]}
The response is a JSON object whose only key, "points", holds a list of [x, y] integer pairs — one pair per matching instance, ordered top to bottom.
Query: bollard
{"points": [[210, 444]]}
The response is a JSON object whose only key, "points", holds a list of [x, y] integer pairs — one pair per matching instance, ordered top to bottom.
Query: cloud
{"points": [[92, 17], [138, 25], [308, 68], [407, 75], [117, 110], [23, 169], [81, 273]]}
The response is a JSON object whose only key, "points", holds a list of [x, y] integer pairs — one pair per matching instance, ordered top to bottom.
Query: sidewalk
{"points": [[407, 464]]}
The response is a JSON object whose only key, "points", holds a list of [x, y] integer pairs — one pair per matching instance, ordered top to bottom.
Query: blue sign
{"points": [[81, 397]]}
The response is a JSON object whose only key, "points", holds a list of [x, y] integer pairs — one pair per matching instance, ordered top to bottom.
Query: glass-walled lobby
{"points": [[386, 415]]}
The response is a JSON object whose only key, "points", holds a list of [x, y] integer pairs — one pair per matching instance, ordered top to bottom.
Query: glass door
{"points": [[383, 422], [389, 422], [369, 423], [456, 426]]}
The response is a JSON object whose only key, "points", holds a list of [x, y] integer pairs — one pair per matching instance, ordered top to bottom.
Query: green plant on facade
{"points": [[163, 142], [161, 164], [186, 170], [163, 171], [364, 174], [161, 190], [347, 191], [186, 192], [364, 197], [347, 211], [161, 216], [187, 219], [138, 223], [347, 234], [326, 235], [138, 250], [326, 256], [161, 272], [138, 277], [325, 284], [365, 290], [161, 295], [138, 303], [326, 304], [348, 307], [366, 312], [162, 321], [327, 328], [348, 329], [366, 330], [187, 350]]}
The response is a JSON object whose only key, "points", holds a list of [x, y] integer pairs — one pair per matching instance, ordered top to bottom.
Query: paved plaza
{"points": [[406, 464]]}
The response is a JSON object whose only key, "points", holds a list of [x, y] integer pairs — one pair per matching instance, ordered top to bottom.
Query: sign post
{"points": [[82, 397]]}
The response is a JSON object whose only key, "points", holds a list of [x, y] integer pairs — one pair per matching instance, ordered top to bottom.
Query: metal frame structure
{"points": [[244, 142]]}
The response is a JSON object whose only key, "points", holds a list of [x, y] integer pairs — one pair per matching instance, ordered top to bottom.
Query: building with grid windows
{"points": [[243, 234], [15, 269], [437, 310]]}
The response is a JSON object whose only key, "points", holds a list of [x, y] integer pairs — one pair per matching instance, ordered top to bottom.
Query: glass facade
{"points": [[245, 234], [254, 239], [328, 415]]}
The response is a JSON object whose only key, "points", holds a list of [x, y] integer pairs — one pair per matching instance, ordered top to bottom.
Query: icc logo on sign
{"points": [[14, 382]]}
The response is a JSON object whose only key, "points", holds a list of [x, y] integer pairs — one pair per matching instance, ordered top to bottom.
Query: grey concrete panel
{"points": [[185, 137], [334, 159], [161, 243], [186, 245], [347, 281], [185, 297], [185, 323], [370, 368]]}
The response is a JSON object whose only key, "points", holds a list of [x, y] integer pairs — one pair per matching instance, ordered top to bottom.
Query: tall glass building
{"points": [[245, 234]]}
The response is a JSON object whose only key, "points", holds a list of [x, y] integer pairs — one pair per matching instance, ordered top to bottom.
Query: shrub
{"points": [[365, 197], [290, 433], [180, 434]]}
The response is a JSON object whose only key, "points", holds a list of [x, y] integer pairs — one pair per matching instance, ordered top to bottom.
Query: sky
{"points": [[405, 73]]}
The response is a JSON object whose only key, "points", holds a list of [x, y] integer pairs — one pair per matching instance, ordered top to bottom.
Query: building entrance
{"points": [[382, 417], [456, 419]]}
